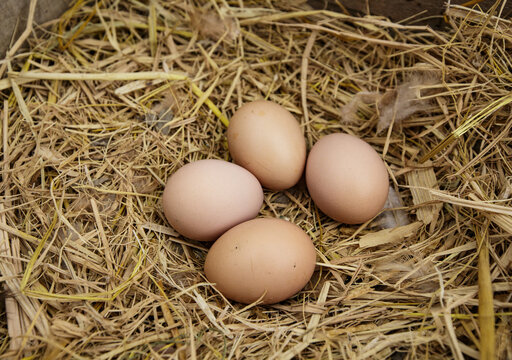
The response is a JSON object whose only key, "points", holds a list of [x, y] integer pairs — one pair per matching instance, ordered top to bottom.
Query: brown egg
{"points": [[267, 140], [346, 178], [205, 198], [265, 257]]}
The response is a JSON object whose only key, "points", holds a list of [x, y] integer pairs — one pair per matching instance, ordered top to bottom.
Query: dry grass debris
{"points": [[108, 101]]}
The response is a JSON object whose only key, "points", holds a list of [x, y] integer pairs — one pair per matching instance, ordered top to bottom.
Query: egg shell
{"points": [[267, 140], [346, 178], [205, 198], [264, 256]]}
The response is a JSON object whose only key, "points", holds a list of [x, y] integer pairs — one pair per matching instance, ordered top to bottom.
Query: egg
{"points": [[267, 140], [346, 178], [205, 198], [266, 258]]}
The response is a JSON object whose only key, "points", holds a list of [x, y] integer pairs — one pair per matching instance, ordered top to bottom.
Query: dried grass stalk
{"points": [[110, 100], [420, 182], [388, 236], [485, 298]]}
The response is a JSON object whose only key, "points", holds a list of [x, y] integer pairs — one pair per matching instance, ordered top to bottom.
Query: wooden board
{"points": [[397, 10], [14, 12], [14, 17]]}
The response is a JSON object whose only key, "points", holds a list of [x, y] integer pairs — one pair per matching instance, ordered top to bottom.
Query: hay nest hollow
{"points": [[109, 100]]}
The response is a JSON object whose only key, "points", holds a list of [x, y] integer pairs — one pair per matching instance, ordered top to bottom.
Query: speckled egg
{"points": [[264, 258]]}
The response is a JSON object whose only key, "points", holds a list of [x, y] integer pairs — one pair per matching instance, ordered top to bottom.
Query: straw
{"points": [[103, 105], [485, 298]]}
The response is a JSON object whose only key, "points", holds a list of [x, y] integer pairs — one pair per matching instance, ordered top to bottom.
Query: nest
{"points": [[109, 100]]}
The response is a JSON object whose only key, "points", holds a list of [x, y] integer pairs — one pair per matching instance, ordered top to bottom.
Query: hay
{"points": [[108, 101]]}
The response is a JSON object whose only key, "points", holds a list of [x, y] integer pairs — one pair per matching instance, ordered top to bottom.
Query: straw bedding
{"points": [[108, 101]]}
